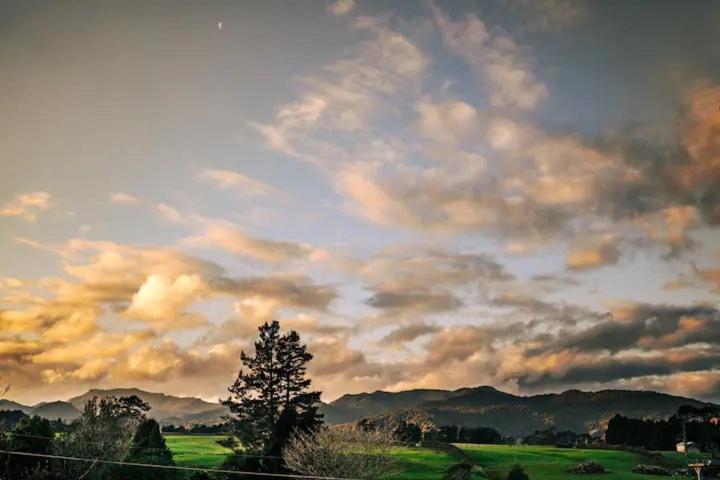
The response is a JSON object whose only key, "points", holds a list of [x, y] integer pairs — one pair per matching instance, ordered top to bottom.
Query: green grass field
{"points": [[197, 450], [203, 451], [413, 463], [546, 463]]}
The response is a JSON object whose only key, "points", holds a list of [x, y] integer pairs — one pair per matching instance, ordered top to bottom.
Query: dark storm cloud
{"points": [[297, 291], [415, 301], [540, 310], [648, 327], [408, 333], [611, 369]]}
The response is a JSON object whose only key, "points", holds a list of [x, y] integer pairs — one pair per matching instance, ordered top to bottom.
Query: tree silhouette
{"points": [[271, 397], [148, 446]]}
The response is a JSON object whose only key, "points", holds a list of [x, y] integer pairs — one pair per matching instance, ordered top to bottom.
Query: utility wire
{"points": [[132, 447], [172, 467]]}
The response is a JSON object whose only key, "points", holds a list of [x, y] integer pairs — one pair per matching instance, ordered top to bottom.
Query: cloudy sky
{"points": [[518, 193]]}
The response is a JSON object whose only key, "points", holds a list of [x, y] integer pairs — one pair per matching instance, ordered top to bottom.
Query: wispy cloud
{"points": [[341, 7], [242, 184], [124, 198], [26, 205], [225, 236]]}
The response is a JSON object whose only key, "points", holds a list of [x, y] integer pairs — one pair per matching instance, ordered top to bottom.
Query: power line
{"points": [[133, 447], [172, 467]]}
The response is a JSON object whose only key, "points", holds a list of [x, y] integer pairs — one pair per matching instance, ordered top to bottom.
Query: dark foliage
{"points": [[270, 399], [8, 418], [700, 426], [197, 429], [104, 431], [408, 432], [30, 435], [479, 435], [554, 437], [148, 446], [652, 470], [459, 471], [517, 472]]}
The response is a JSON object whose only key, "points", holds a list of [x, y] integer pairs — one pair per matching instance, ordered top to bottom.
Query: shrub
{"points": [[341, 451], [589, 468], [652, 470], [459, 471], [517, 472]]}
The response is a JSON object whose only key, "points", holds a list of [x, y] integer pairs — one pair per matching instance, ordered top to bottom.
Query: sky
{"points": [[516, 193]]}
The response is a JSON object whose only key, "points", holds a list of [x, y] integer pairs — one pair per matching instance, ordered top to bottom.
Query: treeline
{"points": [[110, 429], [201, 429], [702, 430], [409, 432], [558, 438]]}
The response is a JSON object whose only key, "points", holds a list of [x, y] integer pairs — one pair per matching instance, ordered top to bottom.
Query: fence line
{"points": [[171, 467]]}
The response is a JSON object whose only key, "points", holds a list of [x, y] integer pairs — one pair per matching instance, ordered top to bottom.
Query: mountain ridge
{"points": [[486, 406], [516, 415]]}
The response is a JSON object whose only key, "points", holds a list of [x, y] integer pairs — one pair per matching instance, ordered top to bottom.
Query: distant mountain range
{"points": [[473, 407], [167, 409], [509, 414]]}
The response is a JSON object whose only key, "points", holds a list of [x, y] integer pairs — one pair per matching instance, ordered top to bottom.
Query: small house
{"points": [[688, 447]]}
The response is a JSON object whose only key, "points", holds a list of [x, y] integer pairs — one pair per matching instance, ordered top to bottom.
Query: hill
{"points": [[10, 405], [349, 408], [166, 409], [55, 410], [509, 414]]}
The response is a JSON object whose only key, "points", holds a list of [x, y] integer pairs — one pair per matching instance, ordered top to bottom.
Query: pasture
{"points": [[197, 450], [203, 451], [414, 463], [550, 463]]}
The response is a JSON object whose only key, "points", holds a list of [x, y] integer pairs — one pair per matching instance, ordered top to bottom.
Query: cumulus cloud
{"points": [[405, 151], [26, 205], [164, 299], [52, 331]]}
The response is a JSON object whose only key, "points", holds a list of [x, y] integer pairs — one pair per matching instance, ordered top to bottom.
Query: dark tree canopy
{"points": [[271, 397], [103, 431], [31, 435], [148, 446]]}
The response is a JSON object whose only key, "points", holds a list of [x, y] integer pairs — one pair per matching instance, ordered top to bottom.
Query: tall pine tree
{"points": [[271, 397]]}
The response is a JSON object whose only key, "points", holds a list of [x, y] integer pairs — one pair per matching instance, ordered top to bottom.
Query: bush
{"points": [[148, 446], [341, 451], [588, 468], [652, 470], [459, 471], [517, 472]]}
